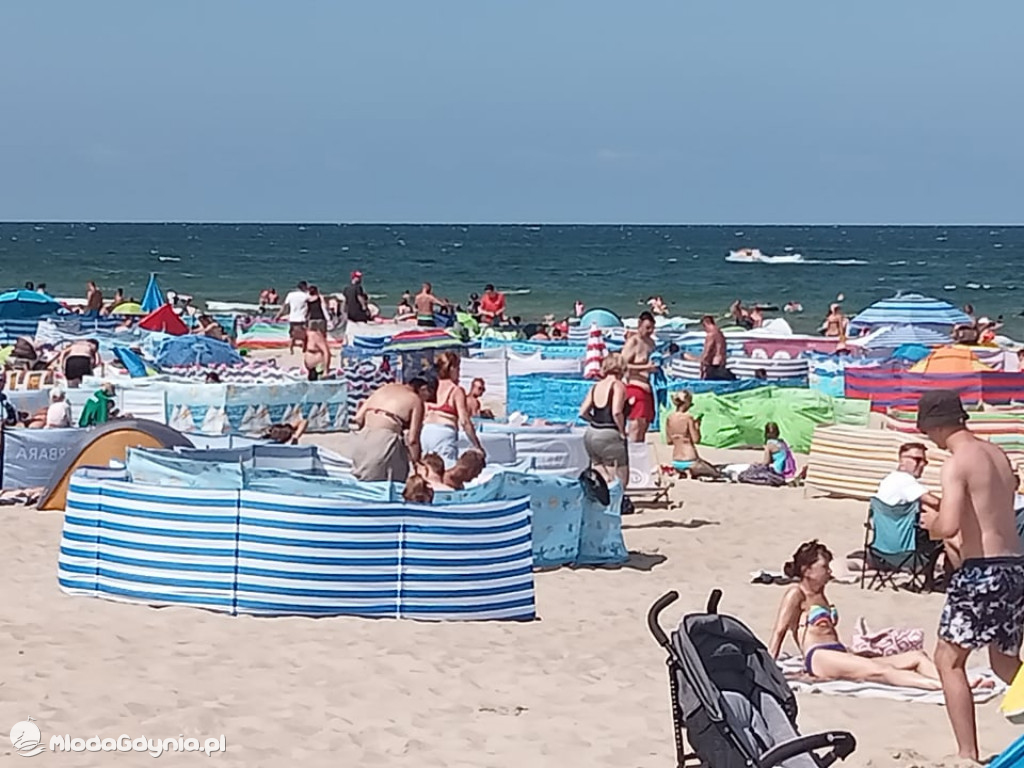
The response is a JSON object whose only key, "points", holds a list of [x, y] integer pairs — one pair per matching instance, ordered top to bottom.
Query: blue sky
{"points": [[474, 111]]}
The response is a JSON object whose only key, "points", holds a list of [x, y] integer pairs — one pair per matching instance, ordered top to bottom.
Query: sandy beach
{"points": [[585, 684]]}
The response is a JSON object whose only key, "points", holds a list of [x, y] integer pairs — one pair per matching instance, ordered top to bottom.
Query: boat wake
{"points": [[755, 256]]}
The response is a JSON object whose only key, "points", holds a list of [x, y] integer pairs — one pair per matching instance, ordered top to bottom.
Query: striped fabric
{"points": [[909, 309], [10, 330], [896, 336], [744, 368], [890, 387], [1008, 421], [851, 461], [259, 553]]}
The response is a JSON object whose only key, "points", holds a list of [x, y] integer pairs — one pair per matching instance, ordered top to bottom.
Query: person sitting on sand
{"points": [[404, 310], [207, 326], [477, 389], [100, 408], [58, 413], [390, 421], [682, 429], [286, 434], [777, 454], [431, 469], [466, 469], [417, 491], [811, 620]]}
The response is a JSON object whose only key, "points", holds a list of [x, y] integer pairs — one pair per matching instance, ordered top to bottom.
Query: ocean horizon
{"points": [[543, 267]]}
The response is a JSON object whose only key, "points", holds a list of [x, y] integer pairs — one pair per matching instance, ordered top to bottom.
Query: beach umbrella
{"points": [[154, 297], [25, 305], [128, 308], [909, 309], [897, 336], [596, 351], [955, 359]]}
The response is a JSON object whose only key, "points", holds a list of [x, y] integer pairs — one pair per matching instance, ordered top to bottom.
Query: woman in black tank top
{"points": [[604, 410]]}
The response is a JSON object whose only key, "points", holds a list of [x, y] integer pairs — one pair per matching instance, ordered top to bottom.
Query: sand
{"points": [[585, 684]]}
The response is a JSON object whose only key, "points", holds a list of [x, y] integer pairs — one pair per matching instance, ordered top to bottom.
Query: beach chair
{"points": [[647, 483], [895, 547], [731, 698]]}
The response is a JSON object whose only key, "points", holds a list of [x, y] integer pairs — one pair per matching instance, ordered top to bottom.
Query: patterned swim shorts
{"points": [[985, 605]]}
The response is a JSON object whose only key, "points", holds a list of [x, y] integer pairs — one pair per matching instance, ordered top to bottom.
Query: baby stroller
{"points": [[732, 699]]}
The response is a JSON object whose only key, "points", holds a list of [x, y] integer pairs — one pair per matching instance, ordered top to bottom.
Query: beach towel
{"points": [[793, 669]]}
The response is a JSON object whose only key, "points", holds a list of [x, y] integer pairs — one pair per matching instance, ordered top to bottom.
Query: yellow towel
{"points": [[1013, 702]]}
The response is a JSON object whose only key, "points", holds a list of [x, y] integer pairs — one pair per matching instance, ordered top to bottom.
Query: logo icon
{"points": [[26, 738]]}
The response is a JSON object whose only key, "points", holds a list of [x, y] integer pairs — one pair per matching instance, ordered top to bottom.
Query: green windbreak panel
{"points": [[736, 420]]}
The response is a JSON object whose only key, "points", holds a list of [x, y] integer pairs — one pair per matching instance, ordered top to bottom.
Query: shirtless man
{"points": [[93, 298], [425, 302], [80, 359], [712, 359], [476, 391], [639, 397], [390, 421], [985, 597]]}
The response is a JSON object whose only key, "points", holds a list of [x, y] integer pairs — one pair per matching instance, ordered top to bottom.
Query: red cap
{"points": [[357, 274]]}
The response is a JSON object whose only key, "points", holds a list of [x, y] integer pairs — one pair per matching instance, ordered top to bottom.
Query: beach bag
{"points": [[885, 642]]}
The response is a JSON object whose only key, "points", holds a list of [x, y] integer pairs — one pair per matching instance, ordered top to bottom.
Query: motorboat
{"points": [[754, 256]]}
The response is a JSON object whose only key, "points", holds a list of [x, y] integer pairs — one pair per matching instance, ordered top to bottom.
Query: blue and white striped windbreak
{"points": [[909, 309], [897, 336]]}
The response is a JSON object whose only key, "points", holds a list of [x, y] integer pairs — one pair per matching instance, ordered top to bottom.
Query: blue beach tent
{"points": [[154, 297]]}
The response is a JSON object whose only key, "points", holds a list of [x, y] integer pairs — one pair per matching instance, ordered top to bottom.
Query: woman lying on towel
{"points": [[811, 620]]}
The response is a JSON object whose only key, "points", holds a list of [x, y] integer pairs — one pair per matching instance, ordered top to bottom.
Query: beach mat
{"points": [[794, 665]]}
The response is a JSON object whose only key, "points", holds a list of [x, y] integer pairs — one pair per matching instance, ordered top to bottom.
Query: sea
{"points": [[542, 268]]}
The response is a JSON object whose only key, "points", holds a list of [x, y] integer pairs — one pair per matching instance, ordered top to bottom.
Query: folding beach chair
{"points": [[647, 484], [895, 546]]}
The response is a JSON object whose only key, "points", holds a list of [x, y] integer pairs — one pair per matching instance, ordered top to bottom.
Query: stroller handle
{"points": [[654, 612], [841, 744]]}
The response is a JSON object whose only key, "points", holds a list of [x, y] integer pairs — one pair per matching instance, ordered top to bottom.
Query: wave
{"points": [[169, 258], [837, 262]]}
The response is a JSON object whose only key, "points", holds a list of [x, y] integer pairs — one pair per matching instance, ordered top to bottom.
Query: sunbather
{"points": [[682, 429], [808, 616]]}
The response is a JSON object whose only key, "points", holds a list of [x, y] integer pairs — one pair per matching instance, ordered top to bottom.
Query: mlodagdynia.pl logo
{"points": [[26, 738], [28, 742]]}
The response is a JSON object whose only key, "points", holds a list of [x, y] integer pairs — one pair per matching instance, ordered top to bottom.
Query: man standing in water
{"points": [[356, 302], [425, 302], [639, 397], [985, 597]]}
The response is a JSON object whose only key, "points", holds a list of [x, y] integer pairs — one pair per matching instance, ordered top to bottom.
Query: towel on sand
{"points": [[794, 666]]}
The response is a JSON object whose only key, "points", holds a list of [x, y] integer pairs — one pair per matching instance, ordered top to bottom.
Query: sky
{"points": [[660, 111]]}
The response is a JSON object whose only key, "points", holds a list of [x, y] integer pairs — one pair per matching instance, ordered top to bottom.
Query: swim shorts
{"points": [[297, 331], [641, 403], [985, 605]]}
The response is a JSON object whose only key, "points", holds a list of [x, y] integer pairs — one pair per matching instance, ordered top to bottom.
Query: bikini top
{"points": [[446, 407], [820, 615]]}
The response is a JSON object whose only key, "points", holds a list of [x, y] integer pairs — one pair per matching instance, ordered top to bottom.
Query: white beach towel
{"points": [[793, 665]]}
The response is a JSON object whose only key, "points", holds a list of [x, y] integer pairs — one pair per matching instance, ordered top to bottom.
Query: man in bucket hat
{"points": [[985, 597]]}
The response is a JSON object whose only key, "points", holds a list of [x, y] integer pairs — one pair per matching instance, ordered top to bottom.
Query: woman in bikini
{"points": [[443, 418], [389, 423], [683, 430], [811, 620]]}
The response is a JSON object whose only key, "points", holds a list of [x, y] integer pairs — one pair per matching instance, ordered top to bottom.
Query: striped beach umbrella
{"points": [[909, 309], [896, 336], [595, 354]]}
